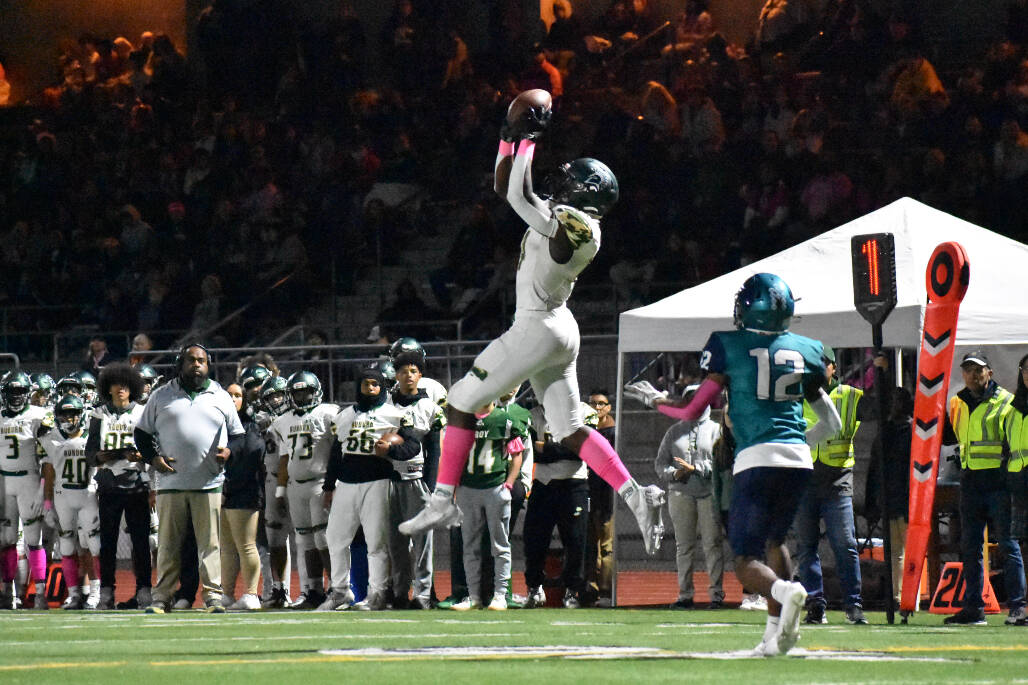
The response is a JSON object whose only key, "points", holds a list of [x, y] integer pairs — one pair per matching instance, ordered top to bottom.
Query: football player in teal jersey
{"points": [[768, 372]]}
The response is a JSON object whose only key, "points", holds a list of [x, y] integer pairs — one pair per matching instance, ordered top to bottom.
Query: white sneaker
{"points": [[646, 504], [439, 511], [536, 597], [93, 600], [336, 601], [247, 602], [753, 602], [372, 603], [499, 603], [182, 604], [467, 604], [789, 624], [768, 647]]}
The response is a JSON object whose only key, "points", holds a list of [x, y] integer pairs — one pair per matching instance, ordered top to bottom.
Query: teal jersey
{"points": [[767, 377], [487, 467]]}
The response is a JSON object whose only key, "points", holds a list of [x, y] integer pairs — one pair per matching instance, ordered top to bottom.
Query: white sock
{"points": [[443, 491], [94, 586], [780, 590], [771, 627]]}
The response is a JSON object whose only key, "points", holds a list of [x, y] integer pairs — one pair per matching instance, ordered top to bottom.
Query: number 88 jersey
{"points": [[767, 378]]}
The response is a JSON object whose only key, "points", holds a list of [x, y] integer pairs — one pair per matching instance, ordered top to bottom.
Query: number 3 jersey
{"points": [[767, 377], [306, 440], [18, 456], [67, 456]]}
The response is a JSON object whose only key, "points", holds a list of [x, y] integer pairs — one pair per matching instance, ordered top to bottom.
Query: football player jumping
{"points": [[563, 236], [768, 372], [20, 424]]}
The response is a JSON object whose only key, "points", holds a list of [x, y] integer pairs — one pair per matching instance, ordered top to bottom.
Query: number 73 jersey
{"points": [[767, 376], [306, 439]]}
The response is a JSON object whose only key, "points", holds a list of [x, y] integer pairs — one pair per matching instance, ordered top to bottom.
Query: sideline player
{"points": [[562, 237], [768, 372], [20, 425], [304, 437], [70, 493], [277, 524]]}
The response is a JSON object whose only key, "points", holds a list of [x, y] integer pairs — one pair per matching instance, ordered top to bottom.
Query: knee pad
{"points": [[276, 533], [320, 539], [67, 544]]}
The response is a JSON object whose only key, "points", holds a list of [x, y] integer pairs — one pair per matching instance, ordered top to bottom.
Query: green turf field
{"points": [[540, 646]]}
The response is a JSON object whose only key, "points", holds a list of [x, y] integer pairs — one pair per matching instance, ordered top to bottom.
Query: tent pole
{"points": [[617, 448]]}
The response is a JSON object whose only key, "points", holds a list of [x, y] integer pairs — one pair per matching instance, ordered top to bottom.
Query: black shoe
{"points": [[128, 604], [681, 604], [716, 604], [815, 615], [855, 616], [1017, 617], [966, 618]]}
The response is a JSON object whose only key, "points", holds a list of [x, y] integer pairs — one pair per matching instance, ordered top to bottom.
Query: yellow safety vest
{"points": [[982, 433], [1017, 438], [837, 451]]}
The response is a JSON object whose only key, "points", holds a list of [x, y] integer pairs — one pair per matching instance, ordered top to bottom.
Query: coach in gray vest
{"points": [[186, 432]]}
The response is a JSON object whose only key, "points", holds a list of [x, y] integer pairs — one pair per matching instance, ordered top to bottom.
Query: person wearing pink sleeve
{"points": [[562, 238]]}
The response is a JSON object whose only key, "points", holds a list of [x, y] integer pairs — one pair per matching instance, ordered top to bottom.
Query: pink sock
{"points": [[457, 444], [597, 453], [10, 563], [37, 564], [70, 566]]}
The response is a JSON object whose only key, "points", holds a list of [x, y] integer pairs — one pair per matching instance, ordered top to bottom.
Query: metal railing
{"points": [[336, 365]]}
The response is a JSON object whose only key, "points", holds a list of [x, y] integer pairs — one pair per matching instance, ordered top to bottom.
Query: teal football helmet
{"points": [[764, 304], [408, 346], [253, 377], [151, 379], [69, 385], [43, 389], [15, 390], [304, 390], [89, 394], [273, 396], [68, 413]]}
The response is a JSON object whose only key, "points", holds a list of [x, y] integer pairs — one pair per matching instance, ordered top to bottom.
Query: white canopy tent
{"points": [[993, 315]]}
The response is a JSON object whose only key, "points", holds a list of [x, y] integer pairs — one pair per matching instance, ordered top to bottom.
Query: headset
{"points": [[180, 357]]}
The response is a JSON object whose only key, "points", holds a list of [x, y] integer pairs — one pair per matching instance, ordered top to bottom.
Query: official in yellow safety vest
{"points": [[979, 422], [1017, 467], [829, 498]]}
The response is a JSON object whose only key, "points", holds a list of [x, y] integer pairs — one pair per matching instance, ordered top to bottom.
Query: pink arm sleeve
{"points": [[704, 397], [515, 446]]}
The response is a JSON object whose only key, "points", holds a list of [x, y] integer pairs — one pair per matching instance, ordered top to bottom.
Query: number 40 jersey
{"points": [[767, 377]]}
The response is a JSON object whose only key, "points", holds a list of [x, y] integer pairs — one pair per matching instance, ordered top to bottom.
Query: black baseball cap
{"points": [[976, 357]]}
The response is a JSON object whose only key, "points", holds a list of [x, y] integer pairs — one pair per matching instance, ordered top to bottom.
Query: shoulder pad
{"points": [[576, 224]]}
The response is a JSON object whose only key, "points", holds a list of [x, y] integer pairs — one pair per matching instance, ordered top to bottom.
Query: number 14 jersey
{"points": [[767, 376]]}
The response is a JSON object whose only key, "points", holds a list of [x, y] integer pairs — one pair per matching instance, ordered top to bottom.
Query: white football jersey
{"points": [[542, 284], [435, 390], [422, 417], [358, 430], [116, 432], [305, 439], [18, 444], [68, 458]]}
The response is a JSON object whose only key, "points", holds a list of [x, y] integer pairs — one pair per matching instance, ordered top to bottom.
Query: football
{"points": [[537, 100], [391, 439]]}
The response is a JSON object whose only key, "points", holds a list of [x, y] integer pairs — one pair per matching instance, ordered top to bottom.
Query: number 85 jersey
{"points": [[767, 378]]}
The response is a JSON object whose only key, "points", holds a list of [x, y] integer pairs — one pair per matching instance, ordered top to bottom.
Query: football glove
{"points": [[530, 126], [643, 391], [50, 517]]}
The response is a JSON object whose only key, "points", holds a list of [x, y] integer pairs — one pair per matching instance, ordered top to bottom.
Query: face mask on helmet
{"points": [[585, 184], [304, 391], [15, 398], [276, 403], [69, 421]]}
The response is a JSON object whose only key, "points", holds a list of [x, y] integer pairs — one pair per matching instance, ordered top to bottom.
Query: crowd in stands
{"points": [[193, 186]]}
